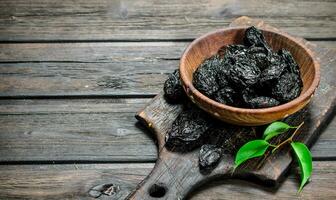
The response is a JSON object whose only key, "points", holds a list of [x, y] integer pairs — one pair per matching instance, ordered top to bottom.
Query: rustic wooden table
{"points": [[74, 73]]}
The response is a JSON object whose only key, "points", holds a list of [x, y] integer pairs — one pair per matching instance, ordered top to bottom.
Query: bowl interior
{"points": [[209, 45]]}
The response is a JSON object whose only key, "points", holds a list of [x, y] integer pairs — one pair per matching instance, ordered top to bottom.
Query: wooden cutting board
{"points": [[176, 174]]}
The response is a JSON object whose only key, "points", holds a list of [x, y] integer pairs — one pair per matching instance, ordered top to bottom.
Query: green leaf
{"points": [[275, 129], [251, 149], [304, 159]]}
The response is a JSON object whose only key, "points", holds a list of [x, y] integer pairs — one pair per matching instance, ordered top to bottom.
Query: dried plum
{"points": [[254, 37], [260, 56], [288, 59], [272, 72], [244, 73], [204, 78], [287, 88], [173, 89], [226, 95], [262, 102], [187, 130], [209, 156]]}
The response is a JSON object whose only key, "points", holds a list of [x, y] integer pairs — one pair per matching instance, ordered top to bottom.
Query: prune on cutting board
{"points": [[272, 72], [204, 78], [287, 88], [173, 89], [262, 102], [187, 130], [209, 156]]}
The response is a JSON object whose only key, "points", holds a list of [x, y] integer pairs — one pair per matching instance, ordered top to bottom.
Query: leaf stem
{"points": [[290, 139]]}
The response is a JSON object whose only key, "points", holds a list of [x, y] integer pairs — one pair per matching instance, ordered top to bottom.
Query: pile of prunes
{"points": [[250, 76], [194, 128]]}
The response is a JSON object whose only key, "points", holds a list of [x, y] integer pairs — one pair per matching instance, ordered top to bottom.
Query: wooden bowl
{"points": [[208, 45]]}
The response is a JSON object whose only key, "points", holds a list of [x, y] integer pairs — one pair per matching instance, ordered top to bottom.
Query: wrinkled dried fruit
{"points": [[244, 73], [204, 78], [287, 88], [173, 89], [226, 95], [262, 102], [187, 130], [209, 156]]}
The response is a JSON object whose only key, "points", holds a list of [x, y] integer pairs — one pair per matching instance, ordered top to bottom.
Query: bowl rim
{"points": [[188, 86]]}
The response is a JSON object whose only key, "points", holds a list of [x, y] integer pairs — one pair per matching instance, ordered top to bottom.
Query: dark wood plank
{"points": [[164, 20], [89, 68], [57, 129], [80, 130], [74, 181]]}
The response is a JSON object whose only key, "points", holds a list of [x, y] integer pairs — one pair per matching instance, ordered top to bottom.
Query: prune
{"points": [[254, 37], [260, 55], [288, 59], [272, 72], [244, 73], [204, 78], [287, 88], [173, 89], [226, 95], [262, 102], [187, 130], [209, 156]]}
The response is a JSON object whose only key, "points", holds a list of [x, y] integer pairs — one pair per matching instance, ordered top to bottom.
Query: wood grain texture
{"points": [[164, 20], [82, 69], [56, 129], [73, 130], [180, 171], [74, 181]]}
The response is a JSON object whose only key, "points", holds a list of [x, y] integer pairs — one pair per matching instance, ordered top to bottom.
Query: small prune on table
{"points": [[204, 78], [287, 88], [173, 89], [262, 102], [187, 130], [209, 156]]}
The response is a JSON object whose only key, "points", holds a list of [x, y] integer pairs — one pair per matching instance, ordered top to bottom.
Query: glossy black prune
{"points": [[254, 37], [260, 55], [291, 65], [244, 73], [204, 78], [287, 88], [173, 89], [225, 95], [262, 102], [187, 130], [209, 156]]}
